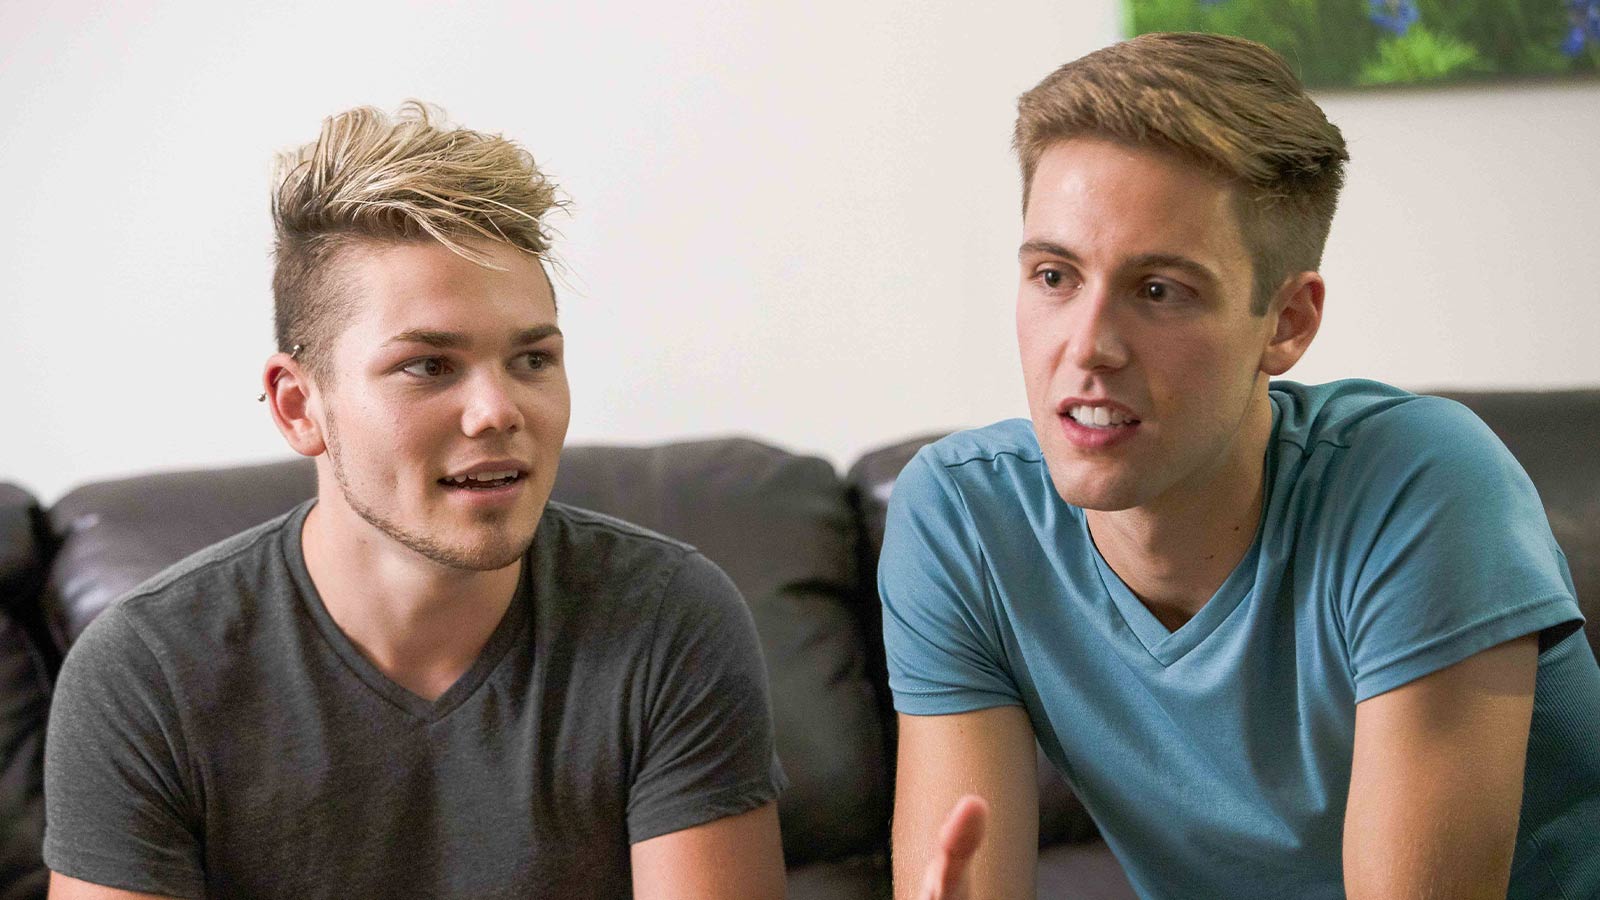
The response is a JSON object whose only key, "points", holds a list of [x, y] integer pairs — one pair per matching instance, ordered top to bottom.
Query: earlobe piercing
{"points": [[294, 353]]}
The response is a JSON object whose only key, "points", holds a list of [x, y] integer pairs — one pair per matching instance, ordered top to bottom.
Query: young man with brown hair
{"points": [[1282, 640], [430, 680]]}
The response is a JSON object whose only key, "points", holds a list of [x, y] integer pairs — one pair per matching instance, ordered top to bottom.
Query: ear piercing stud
{"points": [[294, 353]]}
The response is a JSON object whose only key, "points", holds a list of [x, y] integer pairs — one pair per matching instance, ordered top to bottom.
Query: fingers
{"points": [[963, 828], [947, 875], [934, 886]]}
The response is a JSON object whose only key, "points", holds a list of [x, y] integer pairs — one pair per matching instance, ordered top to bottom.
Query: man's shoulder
{"points": [[1370, 417], [1008, 438], [1367, 452], [997, 464], [972, 486], [585, 530], [597, 556], [611, 574], [211, 584], [192, 617]]}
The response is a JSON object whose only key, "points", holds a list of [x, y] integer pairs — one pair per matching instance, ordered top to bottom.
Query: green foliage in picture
{"points": [[1336, 43], [1421, 55]]}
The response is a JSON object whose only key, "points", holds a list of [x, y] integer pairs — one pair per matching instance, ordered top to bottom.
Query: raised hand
{"points": [[948, 876]]}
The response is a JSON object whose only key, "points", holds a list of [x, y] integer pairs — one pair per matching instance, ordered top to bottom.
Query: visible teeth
{"points": [[1098, 416], [482, 476]]}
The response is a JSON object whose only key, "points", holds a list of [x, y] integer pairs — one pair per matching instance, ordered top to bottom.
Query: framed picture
{"points": [[1360, 43]]}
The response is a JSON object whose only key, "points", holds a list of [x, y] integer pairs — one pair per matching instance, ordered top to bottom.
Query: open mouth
{"points": [[482, 481]]}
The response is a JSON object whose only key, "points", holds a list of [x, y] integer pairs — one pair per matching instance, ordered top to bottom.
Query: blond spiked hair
{"points": [[372, 179]]}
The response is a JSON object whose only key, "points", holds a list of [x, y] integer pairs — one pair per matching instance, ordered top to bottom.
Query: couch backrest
{"points": [[781, 526], [23, 553], [24, 694]]}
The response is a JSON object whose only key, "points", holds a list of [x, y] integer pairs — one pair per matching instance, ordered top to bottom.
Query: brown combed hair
{"points": [[1226, 103], [372, 178]]}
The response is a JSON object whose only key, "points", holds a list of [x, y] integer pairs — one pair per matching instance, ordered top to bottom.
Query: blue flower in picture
{"points": [[1394, 16], [1585, 18]]}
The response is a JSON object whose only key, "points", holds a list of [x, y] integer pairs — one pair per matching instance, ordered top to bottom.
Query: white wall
{"points": [[795, 220]]}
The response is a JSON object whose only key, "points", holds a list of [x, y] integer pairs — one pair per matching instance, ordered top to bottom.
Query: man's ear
{"points": [[1297, 314], [292, 399]]}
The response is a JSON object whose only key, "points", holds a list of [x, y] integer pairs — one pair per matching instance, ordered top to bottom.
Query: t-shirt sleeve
{"points": [[1452, 554], [939, 635], [707, 748], [116, 809]]}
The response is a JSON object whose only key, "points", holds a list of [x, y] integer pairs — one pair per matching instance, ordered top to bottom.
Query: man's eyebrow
{"points": [[1048, 247], [1171, 261], [535, 334], [444, 340], [449, 340]]}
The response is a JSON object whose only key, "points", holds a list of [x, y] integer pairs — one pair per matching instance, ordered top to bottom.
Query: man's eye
{"points": [[1052, 278], [1157, 291], [536, 360], [427, 367]]}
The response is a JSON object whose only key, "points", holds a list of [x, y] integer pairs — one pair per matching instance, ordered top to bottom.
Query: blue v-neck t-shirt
{"points": [[1398, 536]]}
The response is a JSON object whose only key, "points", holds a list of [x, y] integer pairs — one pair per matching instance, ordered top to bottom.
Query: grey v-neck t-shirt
{"points": [[215, 734]]}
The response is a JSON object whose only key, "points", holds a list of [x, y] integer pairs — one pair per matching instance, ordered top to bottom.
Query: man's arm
{"points": [[988, 753], [1436, 779], [116, 809], [734, 858], [64, 888]]}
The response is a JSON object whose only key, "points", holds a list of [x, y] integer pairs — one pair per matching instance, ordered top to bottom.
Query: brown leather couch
{"points": [[799, 540]]}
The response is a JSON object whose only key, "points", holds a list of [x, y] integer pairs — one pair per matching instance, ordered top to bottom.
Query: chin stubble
{"points": [[485, 559]]}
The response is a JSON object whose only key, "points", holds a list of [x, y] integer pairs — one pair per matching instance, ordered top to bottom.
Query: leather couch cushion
{"points": [[780, 525], [24, 549], [24, 697], [24, 708], [1082, 872], [857, 878]]}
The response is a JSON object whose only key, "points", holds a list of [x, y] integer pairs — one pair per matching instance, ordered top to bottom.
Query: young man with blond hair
{"points": [[1282, 640], [430, 680]]}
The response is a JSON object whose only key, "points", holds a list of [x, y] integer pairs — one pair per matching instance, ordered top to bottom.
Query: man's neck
{"points": [[1175, 552], [420, 623]]}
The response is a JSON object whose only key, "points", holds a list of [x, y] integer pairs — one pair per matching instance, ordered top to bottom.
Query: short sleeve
{"points": [[1454, 552], [939, 634], [707, 750], [116, 810]]}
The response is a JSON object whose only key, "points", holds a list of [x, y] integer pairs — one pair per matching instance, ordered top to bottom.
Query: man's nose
{"points": [[1096, 341], [491, 405]]}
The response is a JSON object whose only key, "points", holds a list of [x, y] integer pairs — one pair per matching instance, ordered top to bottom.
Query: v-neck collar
{"points": [[501, 640], [1163, 644], [1167, 646]]}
